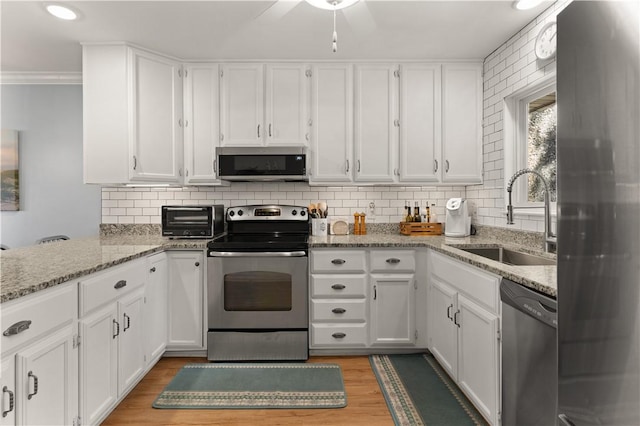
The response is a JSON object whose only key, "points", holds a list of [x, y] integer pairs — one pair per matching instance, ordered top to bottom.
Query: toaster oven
{"points": [[192, 221]]}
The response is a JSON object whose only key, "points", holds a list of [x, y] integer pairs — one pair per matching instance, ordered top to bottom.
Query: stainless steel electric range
{"points": [[258, 285]]}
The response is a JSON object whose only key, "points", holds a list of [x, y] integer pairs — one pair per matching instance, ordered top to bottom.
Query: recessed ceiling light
{"points": [[332, 4], [526, 4], [62, 12]]}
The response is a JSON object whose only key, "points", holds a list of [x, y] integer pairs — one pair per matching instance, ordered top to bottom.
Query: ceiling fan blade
{"points": [[277, 10], [360, 18]]}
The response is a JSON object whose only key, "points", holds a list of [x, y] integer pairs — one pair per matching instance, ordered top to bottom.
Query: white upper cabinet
{"points": [[242, 104], [287, 104], [258, 111], [132, 115], [420, 122], [202, 123], [332, 123], [462, 123], [375, 132]]}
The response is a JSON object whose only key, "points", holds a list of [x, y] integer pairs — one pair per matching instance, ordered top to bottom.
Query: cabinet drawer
{"points": [[338, 261], [392, 261], [479, 285], [338, 286], [103, 287], [338, 310], [42, 312], [338, 335]]}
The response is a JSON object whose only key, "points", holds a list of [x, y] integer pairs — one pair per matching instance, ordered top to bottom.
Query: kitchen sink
{"points": [[509, 257]]}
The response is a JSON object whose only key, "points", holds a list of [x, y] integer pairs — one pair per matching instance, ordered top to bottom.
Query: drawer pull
{"points": [[338, 261], [393, 261], [152, 269], [120, 284], [338, 287], [338, 310], [17, 328], [117, 332], [339, 335], [35, 384], [11, 403]]}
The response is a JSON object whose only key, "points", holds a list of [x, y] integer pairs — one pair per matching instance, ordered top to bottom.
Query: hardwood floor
{"points": [[365, 402]]}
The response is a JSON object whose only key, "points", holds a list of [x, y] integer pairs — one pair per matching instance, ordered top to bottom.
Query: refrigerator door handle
{"points": [[565, 421]]}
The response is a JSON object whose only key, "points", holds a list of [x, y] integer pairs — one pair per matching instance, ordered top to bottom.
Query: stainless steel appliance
{"points": [[598, 147], [262, 164], [192, 221], [258, 285], [529, 356]]}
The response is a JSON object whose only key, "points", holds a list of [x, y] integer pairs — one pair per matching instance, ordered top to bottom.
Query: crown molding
{"points": [[41, 78]]}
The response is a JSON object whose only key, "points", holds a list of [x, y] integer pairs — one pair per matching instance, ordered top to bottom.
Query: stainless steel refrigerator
{"points": [[598, 148]]}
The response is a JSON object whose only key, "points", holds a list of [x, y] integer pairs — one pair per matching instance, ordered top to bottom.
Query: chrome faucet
{"points": [[550, 239]]}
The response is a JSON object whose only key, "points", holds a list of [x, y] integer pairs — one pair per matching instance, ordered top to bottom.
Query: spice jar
{"points": [[356, 223]]}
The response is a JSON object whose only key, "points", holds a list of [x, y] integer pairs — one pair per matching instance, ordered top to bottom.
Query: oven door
{"points": [[266, 290]]}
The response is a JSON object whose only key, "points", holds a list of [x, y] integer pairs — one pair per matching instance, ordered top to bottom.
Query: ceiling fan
{"points": [[356, 12]]}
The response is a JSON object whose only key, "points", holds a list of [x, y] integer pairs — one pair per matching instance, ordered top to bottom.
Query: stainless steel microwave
{"points": [[262, 164], [192, 221]]}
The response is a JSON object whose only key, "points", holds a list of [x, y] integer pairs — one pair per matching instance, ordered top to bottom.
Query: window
{"points": [[530, 142]]}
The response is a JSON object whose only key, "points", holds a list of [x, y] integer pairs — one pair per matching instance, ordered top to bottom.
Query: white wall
{"points": [[511, 67], [53, 199]]}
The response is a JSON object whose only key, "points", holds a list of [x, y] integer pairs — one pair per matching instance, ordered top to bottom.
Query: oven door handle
{"points": [[257, 254]]}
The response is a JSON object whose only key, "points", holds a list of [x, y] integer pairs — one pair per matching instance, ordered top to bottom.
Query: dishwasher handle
{"points": [[300, 253], [529, 302]]}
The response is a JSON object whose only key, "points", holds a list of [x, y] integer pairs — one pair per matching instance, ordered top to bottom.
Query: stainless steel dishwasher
{"points": [[529, 356]]}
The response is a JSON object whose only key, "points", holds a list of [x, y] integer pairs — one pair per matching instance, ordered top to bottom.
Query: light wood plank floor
{"points": [[365, 402]]}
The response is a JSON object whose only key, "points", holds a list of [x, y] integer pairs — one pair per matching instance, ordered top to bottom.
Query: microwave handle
{"points": [[195, 209]]}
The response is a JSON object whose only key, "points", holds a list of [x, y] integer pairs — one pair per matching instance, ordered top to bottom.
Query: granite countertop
{"points": [[30, 269], [541, 278]]}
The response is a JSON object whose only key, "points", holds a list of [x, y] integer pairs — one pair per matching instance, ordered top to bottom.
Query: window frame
{"points": [[516, 119]]}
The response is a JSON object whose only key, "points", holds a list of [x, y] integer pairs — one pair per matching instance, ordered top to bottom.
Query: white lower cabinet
{"points": [[186, 295], [362, 299], [156, 306], [463, 329], [40, 359]]}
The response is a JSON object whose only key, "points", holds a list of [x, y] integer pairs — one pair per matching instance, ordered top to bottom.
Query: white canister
{"points": [[319, 227]]}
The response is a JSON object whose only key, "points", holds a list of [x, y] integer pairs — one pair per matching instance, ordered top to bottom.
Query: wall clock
{"points": [[546, 41]]}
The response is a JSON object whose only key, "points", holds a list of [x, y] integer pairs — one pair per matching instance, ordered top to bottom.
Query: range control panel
{"points": [[267, 212]]}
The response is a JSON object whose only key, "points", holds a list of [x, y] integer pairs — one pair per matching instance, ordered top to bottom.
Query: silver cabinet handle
{"points": [[180, 122], [186, 123], [269, 129], [258, 131], [306, 136], [221, 137], [135, 162], [215, 166], [347, 166], [358, 166], [435, 166], [446, 166], [180, 171], [186, 172], [338, 261], [393, 261], [152, 269], [120, 284], [338, 287], [375, 292], [338, 310], [449, 311], [455, 318], [126, 320], [117, 325], [17, 328], [338, 335], [35, 384], [11, 401]]}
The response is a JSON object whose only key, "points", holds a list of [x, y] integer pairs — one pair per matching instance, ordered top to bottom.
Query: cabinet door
{"points": [[287, 104], [242, 105], [202, 123], [332, 123], [420, 123], [462, 123], [375, 132], [156, 139], [186, 300], [156, 306], [392, 310], [443, 333], [131, 348], [478, 357], [99, 363], [48, 376], [9, 393]]}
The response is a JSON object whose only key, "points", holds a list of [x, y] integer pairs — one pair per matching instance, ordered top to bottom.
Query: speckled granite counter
{"points": [[30, 269], [540, 278]]}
